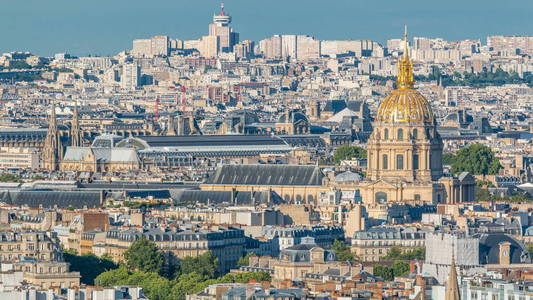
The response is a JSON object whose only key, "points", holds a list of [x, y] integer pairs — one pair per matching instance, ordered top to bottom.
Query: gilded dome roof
{"points": [[405, 104]]}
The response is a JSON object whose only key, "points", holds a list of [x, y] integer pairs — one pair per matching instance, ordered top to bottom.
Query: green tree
{"points": [[347, 152], [448, 158], [476, 159], [7, 177], [343, 251], [395, 253], [144, 256], [245, 260], [205, 265], [89, 266], [400, 268], [384, 272], [113, 277], [154, 286], [159, 288]]}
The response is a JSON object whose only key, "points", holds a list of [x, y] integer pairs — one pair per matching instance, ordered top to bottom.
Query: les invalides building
{"points": [[405, 151]]}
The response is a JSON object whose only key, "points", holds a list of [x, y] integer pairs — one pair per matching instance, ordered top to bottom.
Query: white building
{"points": [[131, 76], [19, 158]]}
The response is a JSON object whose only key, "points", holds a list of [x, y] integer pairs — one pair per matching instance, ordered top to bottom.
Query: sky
{"points": [[106, 27]]}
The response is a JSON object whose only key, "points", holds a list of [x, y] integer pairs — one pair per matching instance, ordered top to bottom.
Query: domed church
{"points": [[405, 150]]}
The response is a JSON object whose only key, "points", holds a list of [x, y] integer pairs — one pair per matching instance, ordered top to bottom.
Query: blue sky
{"points": [[104, 27]]}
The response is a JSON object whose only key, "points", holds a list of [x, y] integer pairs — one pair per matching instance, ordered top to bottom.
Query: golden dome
{"points": [[405, 104]]}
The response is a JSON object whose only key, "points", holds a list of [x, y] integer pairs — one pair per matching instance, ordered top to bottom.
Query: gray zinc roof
{"points": [[267, 175]]}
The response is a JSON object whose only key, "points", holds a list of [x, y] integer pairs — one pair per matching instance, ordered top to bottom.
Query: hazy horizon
{"points": [[104, 27]]}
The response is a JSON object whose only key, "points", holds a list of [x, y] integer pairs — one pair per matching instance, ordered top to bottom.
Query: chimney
{"points": [[233, 196]]}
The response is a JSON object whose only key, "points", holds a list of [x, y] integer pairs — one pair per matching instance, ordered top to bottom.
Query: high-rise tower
{"points": [[221, 29], [75, 134], [51, 144]]}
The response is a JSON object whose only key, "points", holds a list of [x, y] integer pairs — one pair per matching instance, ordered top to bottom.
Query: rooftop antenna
{"points": [[222, 13], [405, 43]]}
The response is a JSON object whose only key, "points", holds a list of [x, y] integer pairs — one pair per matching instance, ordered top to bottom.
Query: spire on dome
{"points": [[405, 79]]}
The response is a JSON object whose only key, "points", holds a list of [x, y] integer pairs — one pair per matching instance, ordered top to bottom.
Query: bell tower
{"points": [[75, 134], [51, 144]]}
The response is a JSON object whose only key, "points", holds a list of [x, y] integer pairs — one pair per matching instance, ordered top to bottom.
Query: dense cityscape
{"points": [[289, 168]]}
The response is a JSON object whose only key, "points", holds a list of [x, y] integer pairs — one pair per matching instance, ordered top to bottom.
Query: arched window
{"points": [[415, 133], [386, 134], [400, 134], [385, 161], [399, 162], [415, 162], [381, 197]]}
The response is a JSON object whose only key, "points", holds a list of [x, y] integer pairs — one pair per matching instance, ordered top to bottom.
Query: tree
{"points": [[347, 152], [448, 158], [476, 159], [7, 177], [343, 251], [395, 253], [144, 256], [245, 260], [205, 265], [89, 266], [400, 268], [384, 272], [113, 277], [154, 286], [159, 288]]}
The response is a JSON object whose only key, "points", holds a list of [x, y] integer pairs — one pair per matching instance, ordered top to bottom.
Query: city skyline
{"points": [[38, 27]]}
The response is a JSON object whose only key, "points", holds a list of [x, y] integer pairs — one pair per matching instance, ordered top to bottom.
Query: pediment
{"points": [[383, 183]]}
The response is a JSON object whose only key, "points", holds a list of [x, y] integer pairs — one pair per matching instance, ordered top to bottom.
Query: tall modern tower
{"points": [[221, 29]]}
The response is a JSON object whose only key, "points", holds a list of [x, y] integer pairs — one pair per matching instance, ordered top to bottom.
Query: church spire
{"points": [[405, 78], [75, 134], [51, 144], [452, 286]]}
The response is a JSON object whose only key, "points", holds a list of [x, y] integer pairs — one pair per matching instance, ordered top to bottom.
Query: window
{"points": [[415, 133], [386, 134], [400, 134], [385, 161], [415, 161], [399, 162], [381, 197], [417, 197]]}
